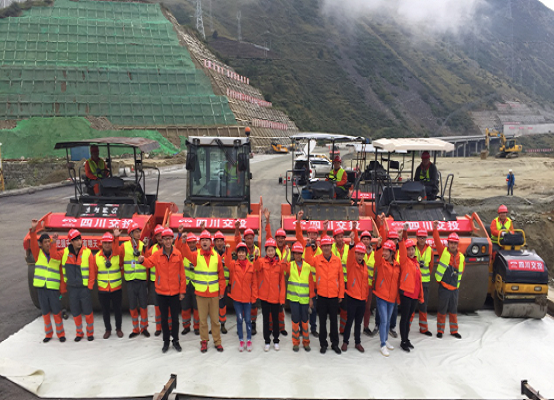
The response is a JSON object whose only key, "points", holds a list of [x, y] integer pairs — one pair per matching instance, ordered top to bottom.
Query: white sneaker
{"points": [[241, 346], [276, 346], [389, 346], [266, 347], [384, 351]]}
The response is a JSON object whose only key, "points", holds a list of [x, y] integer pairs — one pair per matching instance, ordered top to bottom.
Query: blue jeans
{"points": [[385, 312], [243, 314], [313, 316], [393, 319]]}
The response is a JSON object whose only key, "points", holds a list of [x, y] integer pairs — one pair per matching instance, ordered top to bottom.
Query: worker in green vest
{"points": [[95, 169], [427, 174], [339, 175], [500, 225], [424, 256], [448, 275], [47, 278], [136, 279], [189, 308]]}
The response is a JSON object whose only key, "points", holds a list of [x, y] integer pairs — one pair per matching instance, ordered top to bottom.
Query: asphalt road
{"points": [[16, 212]]}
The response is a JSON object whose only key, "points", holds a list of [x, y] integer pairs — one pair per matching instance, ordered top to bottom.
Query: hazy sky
{"points": [[549, 3]]}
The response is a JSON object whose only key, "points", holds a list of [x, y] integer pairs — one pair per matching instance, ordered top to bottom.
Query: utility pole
{"points": [[509, 17], [199, 21], [239, 35], [2, 187]]}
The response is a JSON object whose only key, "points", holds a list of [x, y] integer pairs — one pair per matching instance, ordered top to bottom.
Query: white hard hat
{"points": [[510, 171]]}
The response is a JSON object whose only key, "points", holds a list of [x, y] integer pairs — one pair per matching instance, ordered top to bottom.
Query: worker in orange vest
{"points": [[283, 252], [106, 270], [448, 275], [47, 278], [171, 285], [210, 285], [411, 288], [244, 290], [271, 290], [330, 291], [357, 292], [189, 307]]}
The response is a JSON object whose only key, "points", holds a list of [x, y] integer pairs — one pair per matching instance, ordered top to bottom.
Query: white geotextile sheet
{"points": [[494, 355]]}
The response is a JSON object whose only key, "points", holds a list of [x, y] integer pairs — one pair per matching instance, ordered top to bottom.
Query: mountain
{"points": [[375, 75]]}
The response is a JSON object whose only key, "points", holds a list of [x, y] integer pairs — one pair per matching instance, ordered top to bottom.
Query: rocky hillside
{"points": [[372, 72]]}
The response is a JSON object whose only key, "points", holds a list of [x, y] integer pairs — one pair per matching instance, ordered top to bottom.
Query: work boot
{"points": [[253, 328], [223, 329], [185, 331], [367, 331], [144, 332], [197, 332], [284, 332], [374, 332], [119, 333], [157, 333], [393, 333], [426, 333], [107, 334], [315, 334], [133, 335], [439, 335], [456, 335], [78, 338], [90, 338], [46, 339], [62, 339], [409, 344], [177, 346], [203, 346], [344, 346], [404, 346], [166, 347], [307, 347], [335, 347], [219, 348], [295, 348], [360, 348], [323, 349]]}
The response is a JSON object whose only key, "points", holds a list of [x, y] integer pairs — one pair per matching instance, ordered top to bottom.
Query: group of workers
{"points": [[192, 276]]}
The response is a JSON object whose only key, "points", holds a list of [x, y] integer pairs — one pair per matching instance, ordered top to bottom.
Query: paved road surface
{"points": [[16, 308]]}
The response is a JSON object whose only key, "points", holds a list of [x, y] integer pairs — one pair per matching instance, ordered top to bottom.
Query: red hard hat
{"points": [[425, 155], [337, 159], [502, 209], [133, 226], [158, 229], [313, 229], [338, 231], [167, 232], [248, 232], [280, 232], [421, 232], [73, 233], [365, 234], [393, 234], [205, 235], [219, 235], [191, 237], [453, 237], [107, 238], [326, 240], [270, 243], [410, 243], [389, 245], [242, 246], [297, 248], [360, 248]]}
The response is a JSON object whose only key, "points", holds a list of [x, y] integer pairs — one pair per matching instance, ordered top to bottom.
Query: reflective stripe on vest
{"points": [[93, 166], [424, 175], [337, 176], [499, 226], [155, 248], [316, 253], [280, 254], [251, 256], [343, 258], [369, 260], [424, 260], [84, 267], [133, 270], [189, 270], [47, 273], [446, 273], [107, 275], [206, 277], [298, 288]]}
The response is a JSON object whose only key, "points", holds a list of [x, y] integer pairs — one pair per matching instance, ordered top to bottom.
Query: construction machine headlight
{"points": [[419, 199], [475, 249], [514, 288], [538, 288]]}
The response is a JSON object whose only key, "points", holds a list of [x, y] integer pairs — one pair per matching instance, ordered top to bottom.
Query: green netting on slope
{"points": [[36, 137]]}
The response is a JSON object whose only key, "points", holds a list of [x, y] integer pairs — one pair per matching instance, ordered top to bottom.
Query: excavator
{"points": [[508, 147], [279, 148]]}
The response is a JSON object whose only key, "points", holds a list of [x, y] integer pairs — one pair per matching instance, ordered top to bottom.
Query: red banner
{"points": [[362, 195], [60, 221], [252, 222], [289, 224], [461, 225], [522, 265]]}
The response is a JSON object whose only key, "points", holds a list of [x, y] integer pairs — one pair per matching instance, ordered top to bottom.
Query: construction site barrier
{"points": [[226, 71], [244, 97], [262, 123], [538, 150]]}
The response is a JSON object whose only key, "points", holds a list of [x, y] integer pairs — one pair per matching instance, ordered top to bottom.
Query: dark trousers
{"points": [[510, 190], [114, 299], [172, 303], [328, 307], [407, 308], [273, 309], [356, 311], [313, 315]]}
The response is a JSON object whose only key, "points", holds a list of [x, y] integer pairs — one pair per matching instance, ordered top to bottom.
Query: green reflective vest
{"points": [[95, 167], [424, 175], [337, 176], [499, 226], [155, 248], [251, 256], [343, 258], [369, 260], [424, 260], [83, 267], [133, 270], [189, 270], [47, 272], [446, 273], [111, 275], [206, 277], [298, 288]]}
